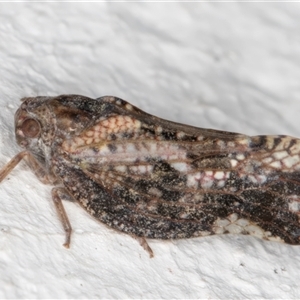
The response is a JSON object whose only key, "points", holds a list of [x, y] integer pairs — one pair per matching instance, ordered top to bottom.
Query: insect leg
{"points": [[11, 164], [39, 171], [57, 195], [145, 245]]}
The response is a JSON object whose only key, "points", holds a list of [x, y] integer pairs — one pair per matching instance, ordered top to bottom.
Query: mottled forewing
{"points": [[159, 179]]}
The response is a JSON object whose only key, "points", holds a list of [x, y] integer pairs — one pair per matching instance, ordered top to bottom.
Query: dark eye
{"points": [[30, 128]]}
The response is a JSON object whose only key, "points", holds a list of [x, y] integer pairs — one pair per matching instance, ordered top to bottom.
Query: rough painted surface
{"points": [[224, 66]]}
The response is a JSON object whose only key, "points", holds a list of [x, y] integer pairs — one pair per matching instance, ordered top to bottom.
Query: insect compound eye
{"points": [[31, 128]]}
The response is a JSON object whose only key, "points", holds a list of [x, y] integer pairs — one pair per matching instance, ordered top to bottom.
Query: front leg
{"points": [[12, 163], [46, 177]]}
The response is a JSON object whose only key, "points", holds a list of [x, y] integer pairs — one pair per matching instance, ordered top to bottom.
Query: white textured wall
{"points": [[231, 66]]}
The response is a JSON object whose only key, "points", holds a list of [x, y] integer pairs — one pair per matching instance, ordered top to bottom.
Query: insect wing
{"points": [[166, 180]]}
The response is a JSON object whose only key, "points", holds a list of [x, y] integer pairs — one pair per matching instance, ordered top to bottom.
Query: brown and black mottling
{"points": [[159, 205]]}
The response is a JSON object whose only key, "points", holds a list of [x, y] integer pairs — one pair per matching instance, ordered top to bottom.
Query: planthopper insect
{"points": [[156, 179]]}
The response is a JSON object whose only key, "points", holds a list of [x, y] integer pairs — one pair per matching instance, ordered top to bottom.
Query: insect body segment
{"points": [[152, 178]]}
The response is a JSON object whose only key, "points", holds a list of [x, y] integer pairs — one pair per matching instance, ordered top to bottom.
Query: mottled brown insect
{"points": [[156, 179]]}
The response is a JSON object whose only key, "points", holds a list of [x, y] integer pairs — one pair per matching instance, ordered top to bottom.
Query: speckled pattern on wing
{"points": [[153, 178]]}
